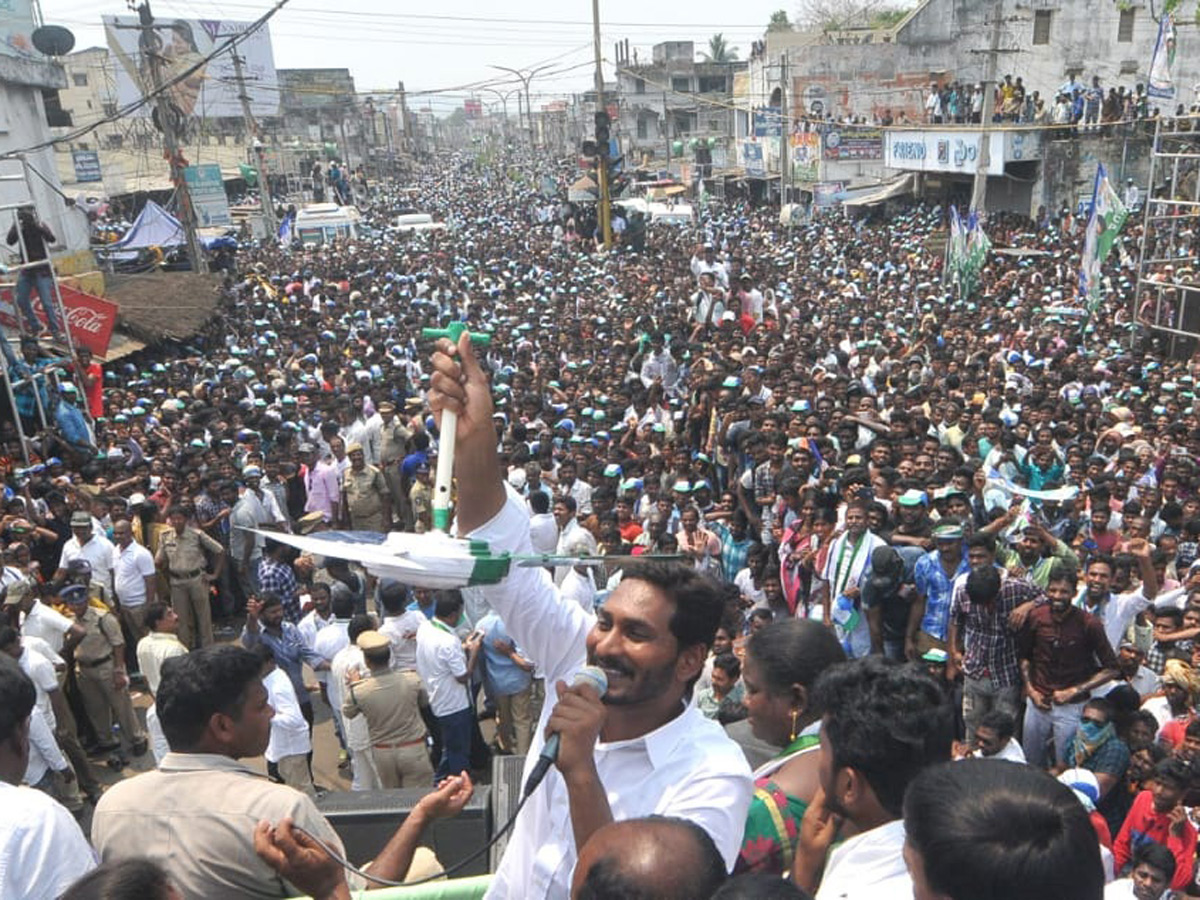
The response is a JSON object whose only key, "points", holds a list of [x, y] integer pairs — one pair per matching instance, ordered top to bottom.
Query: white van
{"points": [[671, 214], [321, 222], [407, 223]]}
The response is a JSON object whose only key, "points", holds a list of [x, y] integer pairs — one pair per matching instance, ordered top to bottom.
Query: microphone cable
{"points": [[445, 873]]}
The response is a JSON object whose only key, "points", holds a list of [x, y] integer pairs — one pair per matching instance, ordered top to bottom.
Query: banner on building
{"points": [[16, 28], [1160, 84], [204, 88], [768, 121], [850, 145], [750, 155], [806, 156], [87, 164], [207, 189], [825, 193], [1105, 220], [90, 318]]}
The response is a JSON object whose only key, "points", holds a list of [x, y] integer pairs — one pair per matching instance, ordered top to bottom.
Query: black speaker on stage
{"points": [[366, 821]]}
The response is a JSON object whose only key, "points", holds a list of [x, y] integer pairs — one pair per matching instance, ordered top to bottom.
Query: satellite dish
{"points": [[53, 40]]}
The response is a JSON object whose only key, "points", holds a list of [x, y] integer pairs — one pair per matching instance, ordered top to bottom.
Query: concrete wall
{"points": [[945, 40], [1068, 170]]}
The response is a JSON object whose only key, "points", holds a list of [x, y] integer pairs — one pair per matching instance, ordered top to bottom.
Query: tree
{"points": [[840, 15], [779, 21], [719, 51]]}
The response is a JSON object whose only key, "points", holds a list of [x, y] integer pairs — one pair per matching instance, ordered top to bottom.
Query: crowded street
{"points": [[681, 537]]}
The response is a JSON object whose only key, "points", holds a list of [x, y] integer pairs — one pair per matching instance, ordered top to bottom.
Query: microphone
{"points": [[590, 676]]}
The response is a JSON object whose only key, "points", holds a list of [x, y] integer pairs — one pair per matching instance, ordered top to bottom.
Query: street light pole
{"points": [[525, 78], [504, 95]]}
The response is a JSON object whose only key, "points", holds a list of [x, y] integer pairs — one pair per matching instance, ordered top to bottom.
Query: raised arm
{"points": [[550, 631]]}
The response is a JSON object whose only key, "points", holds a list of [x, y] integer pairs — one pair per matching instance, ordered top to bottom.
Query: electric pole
{"points": [[167, 122], [785, 129], [602, 134], [264, 180], [979, 189]]}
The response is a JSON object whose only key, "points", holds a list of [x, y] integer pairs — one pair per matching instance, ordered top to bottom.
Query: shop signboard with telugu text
{"points": [[768, 122], [853, 144], [943, 151], [751, 157], [87, 166], [207, 189], [90, 318]]}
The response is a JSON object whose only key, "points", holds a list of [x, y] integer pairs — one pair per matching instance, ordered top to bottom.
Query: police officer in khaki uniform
{"points": [[393, 444], [365, 494], [420, 498], [181, 551], [101, 674], [391, 703]]}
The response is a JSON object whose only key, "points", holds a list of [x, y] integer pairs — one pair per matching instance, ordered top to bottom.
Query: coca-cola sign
{"points": [[90, 319]]}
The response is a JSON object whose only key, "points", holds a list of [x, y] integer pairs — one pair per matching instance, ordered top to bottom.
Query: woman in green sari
{"points": [[783, 662]]}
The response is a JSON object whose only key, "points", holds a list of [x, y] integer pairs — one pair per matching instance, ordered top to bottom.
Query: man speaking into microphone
{"points": [[640, 750]]}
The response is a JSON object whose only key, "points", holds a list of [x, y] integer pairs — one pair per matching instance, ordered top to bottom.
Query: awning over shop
{"points": [[898, 188], [583, 191]]}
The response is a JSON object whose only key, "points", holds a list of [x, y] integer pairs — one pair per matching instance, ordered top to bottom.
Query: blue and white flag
{"points": [[1159, 84], [285, 229]]}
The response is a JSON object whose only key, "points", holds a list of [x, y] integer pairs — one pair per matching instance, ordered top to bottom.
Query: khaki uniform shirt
{"points": [[393, 439], [365, 491], [420, 496], [184, 553], [103, 636], [152, 651], [391, 703], [195, 816]]}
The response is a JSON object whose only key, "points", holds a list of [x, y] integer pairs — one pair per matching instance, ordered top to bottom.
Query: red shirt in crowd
{"points": [[1144, 824]]}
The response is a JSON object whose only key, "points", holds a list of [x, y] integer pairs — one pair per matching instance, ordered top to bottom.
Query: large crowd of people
{"points": [[896, 591]]}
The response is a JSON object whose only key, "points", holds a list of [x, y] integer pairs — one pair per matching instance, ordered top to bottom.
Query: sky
{"points": [[441, 47]]}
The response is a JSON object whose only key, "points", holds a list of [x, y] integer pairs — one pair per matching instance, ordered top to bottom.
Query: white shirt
{"points": [[716, 268], [582, 492], [543, 533], [573, 534], [98, 551], [131, 567], [579, 589], [1116, 613], [43, 622], [310, 624], [309, 627], [401, 631], [332, 638], [152, 651], [440, 660], [41, 672], [1144, 681], [289, 730], [358, 737], [1011, 752], [44, 753], [688, 767], [42, 850], [869, 866], [1122, 889]]}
